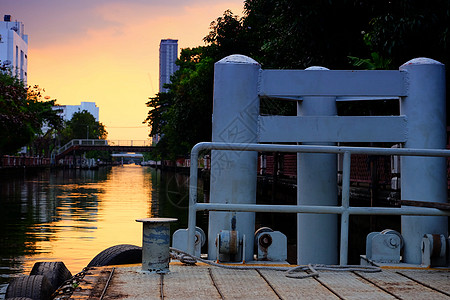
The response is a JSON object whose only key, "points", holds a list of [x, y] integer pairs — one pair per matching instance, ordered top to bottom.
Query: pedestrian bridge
{"points": [[104, 145]]}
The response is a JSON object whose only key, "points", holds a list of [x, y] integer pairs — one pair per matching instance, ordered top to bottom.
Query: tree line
{"points": [[296, 34], [30, 119]]}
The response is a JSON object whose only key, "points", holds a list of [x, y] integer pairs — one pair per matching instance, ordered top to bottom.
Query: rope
{"points": [[292, 272]]}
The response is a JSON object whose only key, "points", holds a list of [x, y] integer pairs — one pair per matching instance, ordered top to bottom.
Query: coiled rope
{"points": [[292, 272]]}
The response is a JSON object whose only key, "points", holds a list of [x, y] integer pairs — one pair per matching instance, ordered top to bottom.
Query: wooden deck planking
{"points": [[437, 279], [189, 282], [207, 282], [130, 283], [242, 284], [350, 286], [401, 286], [290, 288]]}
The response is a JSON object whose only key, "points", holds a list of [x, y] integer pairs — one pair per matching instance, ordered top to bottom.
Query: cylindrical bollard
{"points": [[155, 244]]}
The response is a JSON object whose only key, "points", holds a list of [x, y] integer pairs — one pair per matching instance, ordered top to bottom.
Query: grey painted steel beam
{"points": [[294, 83], [332, 129]]}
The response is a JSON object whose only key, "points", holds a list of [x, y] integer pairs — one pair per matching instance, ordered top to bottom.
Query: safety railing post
{"points": [[345, 216], [192, 217]]}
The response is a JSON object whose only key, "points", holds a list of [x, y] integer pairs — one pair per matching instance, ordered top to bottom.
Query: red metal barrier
{"points": [[9, 161]]}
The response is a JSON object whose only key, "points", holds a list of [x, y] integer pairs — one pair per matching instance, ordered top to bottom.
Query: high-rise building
{"points": [[14, 47], [168, 54]]}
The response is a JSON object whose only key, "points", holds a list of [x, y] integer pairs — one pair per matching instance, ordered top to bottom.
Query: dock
{"points": [[203, 281]]}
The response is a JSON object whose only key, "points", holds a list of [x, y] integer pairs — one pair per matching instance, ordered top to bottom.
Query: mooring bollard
{"points": [[155, 244]]}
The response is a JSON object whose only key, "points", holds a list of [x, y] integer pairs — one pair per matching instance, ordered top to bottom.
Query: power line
{"points": [[128, 127]]}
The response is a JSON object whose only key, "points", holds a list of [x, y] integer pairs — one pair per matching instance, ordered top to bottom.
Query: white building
{"points": [[14, 47], [168, 54], [67, 111]]}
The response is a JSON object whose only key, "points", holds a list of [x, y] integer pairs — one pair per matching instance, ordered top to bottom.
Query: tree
{"points": [[296, 34], [299, 34], [22, 113], [182, 116], [83, 126]]}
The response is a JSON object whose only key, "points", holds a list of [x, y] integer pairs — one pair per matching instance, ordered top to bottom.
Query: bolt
{"points": [[393, 242]]}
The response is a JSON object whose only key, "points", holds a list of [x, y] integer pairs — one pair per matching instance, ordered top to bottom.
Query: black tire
{"points": [[117, 255], [55, 271], [36, 287], [19, 298]]}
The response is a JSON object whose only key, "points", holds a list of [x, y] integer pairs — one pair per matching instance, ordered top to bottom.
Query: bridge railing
{"points": [[84, 142], [96, 142], [133, 143]]}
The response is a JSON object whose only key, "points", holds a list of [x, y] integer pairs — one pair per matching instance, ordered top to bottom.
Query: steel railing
{"points": [[97, 142], [345, 210]]}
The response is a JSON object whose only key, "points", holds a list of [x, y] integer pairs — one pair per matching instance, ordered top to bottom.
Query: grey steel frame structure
{"points": [[345, 210]]}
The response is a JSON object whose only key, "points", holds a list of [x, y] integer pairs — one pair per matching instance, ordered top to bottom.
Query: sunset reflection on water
{"points": [[71, 215], [90, 216]]}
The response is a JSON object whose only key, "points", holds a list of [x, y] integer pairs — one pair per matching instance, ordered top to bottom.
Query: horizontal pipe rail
{"points": [[318, 149], [345, 210], [411, 211]]}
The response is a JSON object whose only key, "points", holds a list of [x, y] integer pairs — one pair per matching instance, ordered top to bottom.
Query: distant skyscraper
{"points": [[14, 47], [168, 54]]}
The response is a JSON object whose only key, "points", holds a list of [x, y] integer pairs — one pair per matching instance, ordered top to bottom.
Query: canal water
{"points": [[72, 215]]}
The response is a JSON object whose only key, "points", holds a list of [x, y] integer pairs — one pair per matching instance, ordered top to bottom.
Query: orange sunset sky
{"points": [[107, 51]]}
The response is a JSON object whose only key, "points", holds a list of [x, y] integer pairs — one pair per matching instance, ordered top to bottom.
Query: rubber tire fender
{"points": [[117, 255], [55, 271], [36, 287]]}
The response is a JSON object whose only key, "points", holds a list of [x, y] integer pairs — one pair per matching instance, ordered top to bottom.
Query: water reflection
{"points": [[71, 215]]}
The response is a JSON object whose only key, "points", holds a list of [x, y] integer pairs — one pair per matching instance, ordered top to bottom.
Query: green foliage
{"points": [[402, 30], [296, 34], [299, 34], [375, 63], [22, 113], [182, 116], [83, 126]]}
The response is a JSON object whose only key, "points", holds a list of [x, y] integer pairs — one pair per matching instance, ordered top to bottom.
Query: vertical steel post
{"points": [[233, 173], [423, 178], [345, 216], [192, 217], [317, 235], [155, 244]]}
